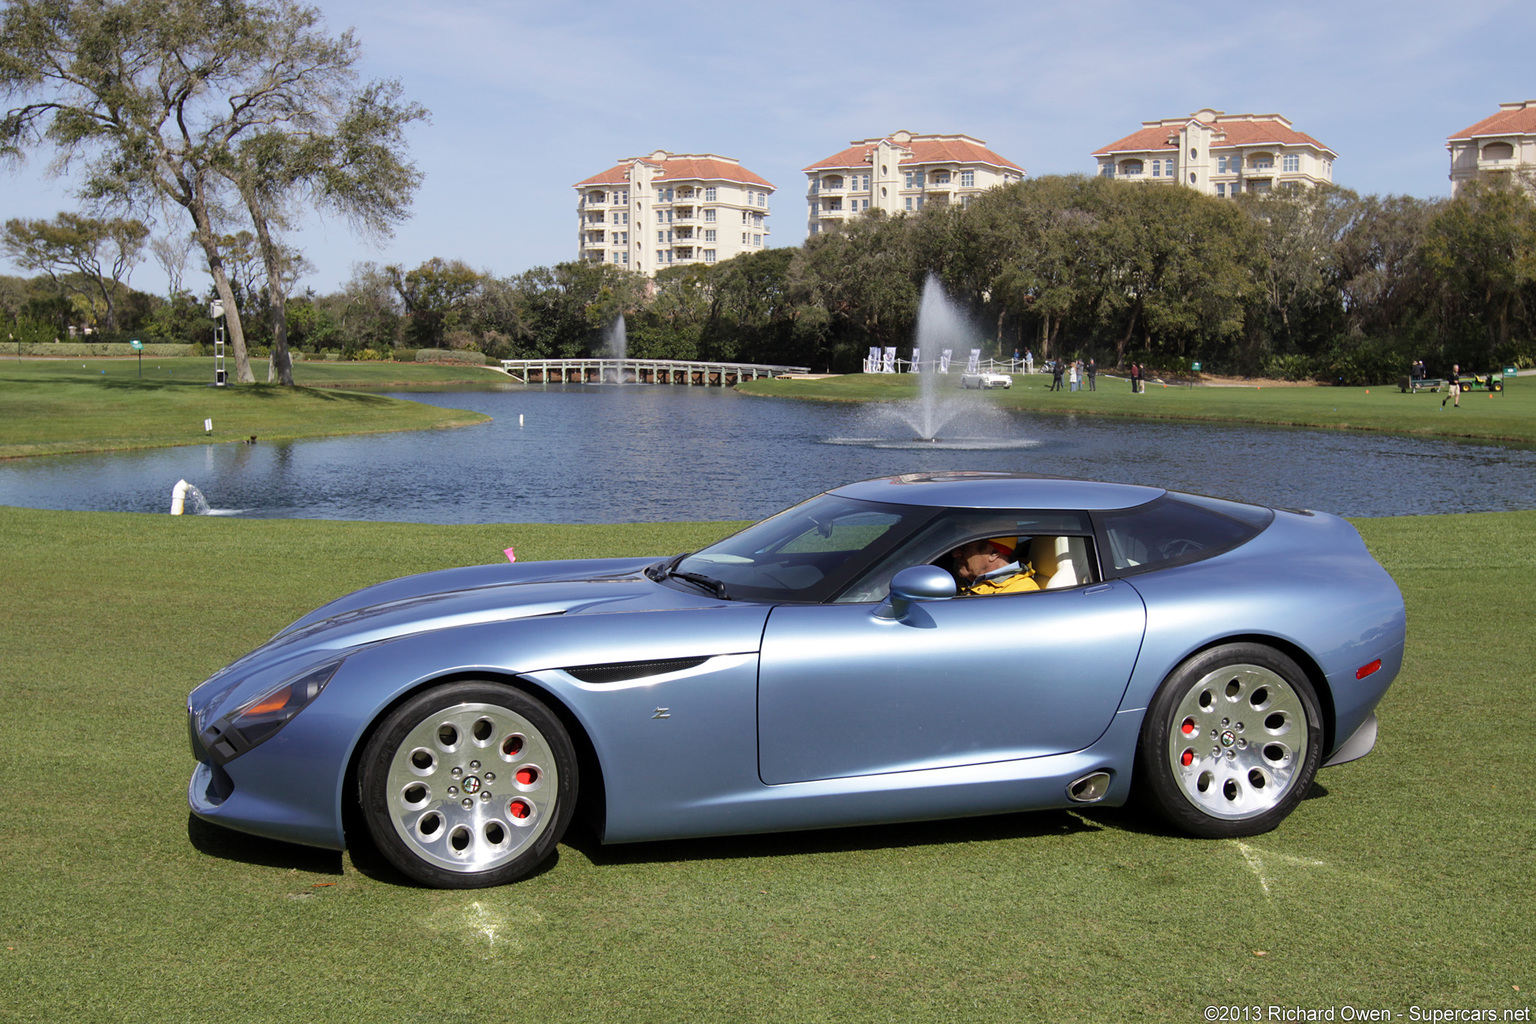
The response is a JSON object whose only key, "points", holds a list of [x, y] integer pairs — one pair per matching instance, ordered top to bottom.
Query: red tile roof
{"points": [[1512, 119], [1240, 130], [925, 149], [705, 167]]}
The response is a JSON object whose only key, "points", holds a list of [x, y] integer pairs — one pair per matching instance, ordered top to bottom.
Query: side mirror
{"points": [[916, 583]]}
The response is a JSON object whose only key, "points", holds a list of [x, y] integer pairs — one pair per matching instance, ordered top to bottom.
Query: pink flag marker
{"points": [[511, 555]]}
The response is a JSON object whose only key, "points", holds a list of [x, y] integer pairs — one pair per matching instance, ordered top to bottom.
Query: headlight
{"points": [[258, 720]]}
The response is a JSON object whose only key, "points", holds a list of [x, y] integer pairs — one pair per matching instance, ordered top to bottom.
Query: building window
{"points": [[1498, 151], [1262, 162], [1292, 162], [1221, 165], [1130, 168], [1157, 169], [1107, 171], [941, 177], [967, 179], [866, 183], [1221, 190], [709, 194], [762, 199], [909, 202], [709, 216], [709, 234], [661, 236], [743, 238], [709, 255], [625, 259]]}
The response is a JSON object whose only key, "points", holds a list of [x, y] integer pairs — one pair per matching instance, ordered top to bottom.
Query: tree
{"points": [[160, 98], [347, 159], [1299, 230], [1483, 243], [82, 254], [439, 296]]}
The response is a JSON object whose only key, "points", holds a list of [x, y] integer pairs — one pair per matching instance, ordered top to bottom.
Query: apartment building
{"points": [[1501, 143], [1219, 154], [902, 173], [651, 212]]}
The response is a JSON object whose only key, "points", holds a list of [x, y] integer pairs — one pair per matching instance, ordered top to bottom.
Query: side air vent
{"points": [[621, 672]]}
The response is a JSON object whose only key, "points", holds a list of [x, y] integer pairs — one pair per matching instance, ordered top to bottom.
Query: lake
{"points": [[597, 454]]}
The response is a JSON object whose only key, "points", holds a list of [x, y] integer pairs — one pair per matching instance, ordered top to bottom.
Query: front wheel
{"points": [[1231, 742], [467, 785]]}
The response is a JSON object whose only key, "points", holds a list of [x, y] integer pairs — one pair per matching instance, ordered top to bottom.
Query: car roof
{"points": [[984, 490]]}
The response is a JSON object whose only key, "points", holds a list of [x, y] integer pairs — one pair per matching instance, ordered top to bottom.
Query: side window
{"points": [[1174, 530], [1058, 545]]}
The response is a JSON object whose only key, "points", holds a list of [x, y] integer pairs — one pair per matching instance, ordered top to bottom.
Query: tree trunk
{"points": [[226, 294], [1130, 331], [280, 364]]}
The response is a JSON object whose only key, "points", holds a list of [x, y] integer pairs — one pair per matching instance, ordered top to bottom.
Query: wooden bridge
{"points": [[640, 371]]}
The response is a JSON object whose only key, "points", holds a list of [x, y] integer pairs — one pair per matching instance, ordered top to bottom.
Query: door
{"points": [[963, 681]]}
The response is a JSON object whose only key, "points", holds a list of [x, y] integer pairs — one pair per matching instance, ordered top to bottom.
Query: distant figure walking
{"points": [[1093, 370], [1055, 376], [1453, 387]]}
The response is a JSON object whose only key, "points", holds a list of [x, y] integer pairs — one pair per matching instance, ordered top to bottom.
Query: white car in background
{"points": [[986, 380]]}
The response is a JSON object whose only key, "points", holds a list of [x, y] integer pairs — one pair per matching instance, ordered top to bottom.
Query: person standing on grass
{"points": [[1093, 370], [1453, 387]]}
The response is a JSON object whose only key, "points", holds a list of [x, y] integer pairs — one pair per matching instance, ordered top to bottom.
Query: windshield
{"points": [[805, 553]]}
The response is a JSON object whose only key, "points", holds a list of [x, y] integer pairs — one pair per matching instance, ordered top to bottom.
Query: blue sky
{"points": [[529, 98]]}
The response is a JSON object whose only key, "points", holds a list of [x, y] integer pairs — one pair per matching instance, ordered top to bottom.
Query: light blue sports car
{"points": [[824, 667]]}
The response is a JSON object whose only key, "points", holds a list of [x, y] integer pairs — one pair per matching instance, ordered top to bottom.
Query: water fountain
{"points": [[939, 322], [618, 345], [941, 414], [184, 494]]}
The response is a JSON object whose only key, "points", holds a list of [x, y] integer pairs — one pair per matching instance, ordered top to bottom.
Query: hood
{"points": [[480, 594]]}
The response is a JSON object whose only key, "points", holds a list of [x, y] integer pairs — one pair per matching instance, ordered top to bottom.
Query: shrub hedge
{"points": [[72, 349], [444, 355]]}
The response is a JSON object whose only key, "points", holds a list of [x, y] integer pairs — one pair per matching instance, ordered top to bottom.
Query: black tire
{"points": [[1231, 742], [468, 785]]}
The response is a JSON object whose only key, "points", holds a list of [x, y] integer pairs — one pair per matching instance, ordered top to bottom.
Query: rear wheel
{"points": [[1231, 742], [469, 784]]}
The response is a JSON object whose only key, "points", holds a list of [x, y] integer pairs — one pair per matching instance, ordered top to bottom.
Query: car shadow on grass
{"points": [[1026, 825], [991, 828], [216, 841], [227, 844]]}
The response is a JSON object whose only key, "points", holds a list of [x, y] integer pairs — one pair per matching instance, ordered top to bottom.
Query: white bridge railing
{"points": [[640, 371]]}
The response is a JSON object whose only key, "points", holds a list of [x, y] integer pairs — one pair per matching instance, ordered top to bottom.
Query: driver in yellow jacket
{"points": [[988, 567]]}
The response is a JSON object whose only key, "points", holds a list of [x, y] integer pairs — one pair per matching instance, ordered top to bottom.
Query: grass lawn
{"points": [[58, 406], [1509, 416], [1404, 882]]}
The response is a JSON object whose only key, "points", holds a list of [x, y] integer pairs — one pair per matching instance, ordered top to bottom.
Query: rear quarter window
{"points": [[1174, 530]]}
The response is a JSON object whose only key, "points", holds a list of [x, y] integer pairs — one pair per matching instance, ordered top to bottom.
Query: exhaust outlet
{"points": [[1090, 788]]}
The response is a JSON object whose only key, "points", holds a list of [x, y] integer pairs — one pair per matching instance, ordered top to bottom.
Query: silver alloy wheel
{"points": [[1237, 740], [471, 786]]}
